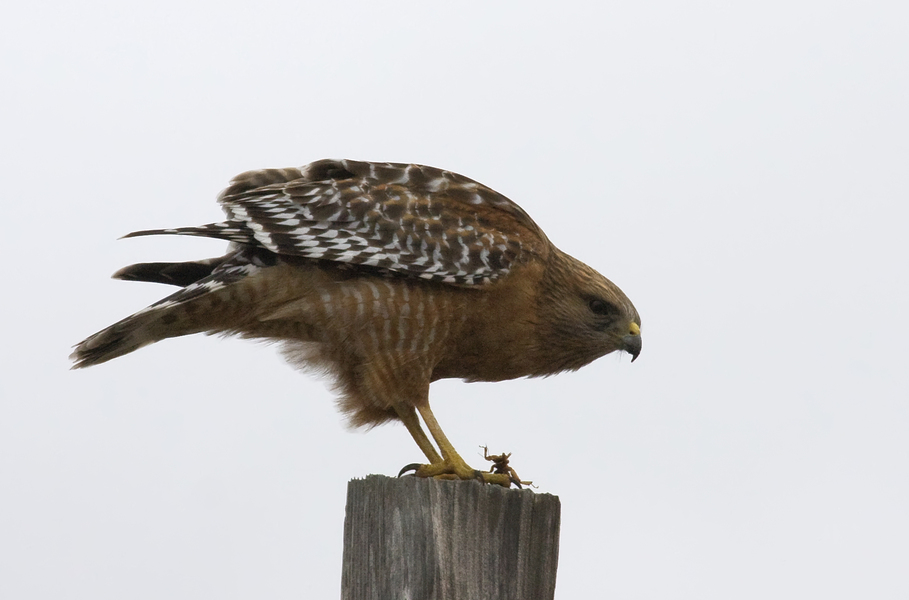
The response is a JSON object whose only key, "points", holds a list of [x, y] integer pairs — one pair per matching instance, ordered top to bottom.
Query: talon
{"points": [[411, 467], [454, 471]]}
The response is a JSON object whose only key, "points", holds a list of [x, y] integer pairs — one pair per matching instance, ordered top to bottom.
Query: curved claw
{"points": [[411, 467], [516, 481]]}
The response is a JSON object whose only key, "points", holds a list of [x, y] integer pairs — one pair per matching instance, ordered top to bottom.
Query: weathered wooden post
{"points": [[425, 539]]}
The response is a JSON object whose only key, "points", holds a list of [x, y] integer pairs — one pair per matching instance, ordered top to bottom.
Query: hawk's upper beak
{"points": [[631, 343]]}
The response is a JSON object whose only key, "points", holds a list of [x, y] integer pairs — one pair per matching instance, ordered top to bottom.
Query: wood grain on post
{"points": [[425, 539]]}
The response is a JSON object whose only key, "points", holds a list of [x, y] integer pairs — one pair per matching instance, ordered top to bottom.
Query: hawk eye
{"points": [[602, 308]]}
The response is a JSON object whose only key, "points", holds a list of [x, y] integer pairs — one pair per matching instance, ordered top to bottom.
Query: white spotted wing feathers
{"points": [[410, 219]]}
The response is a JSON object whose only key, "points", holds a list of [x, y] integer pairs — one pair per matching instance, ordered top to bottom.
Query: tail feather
{"points": [[187, 311], [120, 338]]}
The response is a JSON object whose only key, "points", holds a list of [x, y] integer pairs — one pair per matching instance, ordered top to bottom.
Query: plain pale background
{"points": [[741, 170]]}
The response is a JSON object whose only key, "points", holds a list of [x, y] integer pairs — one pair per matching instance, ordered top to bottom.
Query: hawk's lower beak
{"points": [[631, 343]]}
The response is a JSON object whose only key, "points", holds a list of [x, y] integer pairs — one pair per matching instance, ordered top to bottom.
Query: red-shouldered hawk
{"points": [[388, 277]]}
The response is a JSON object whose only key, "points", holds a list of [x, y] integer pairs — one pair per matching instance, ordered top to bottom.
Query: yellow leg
{"points": [[409, 417], [452, 465]]}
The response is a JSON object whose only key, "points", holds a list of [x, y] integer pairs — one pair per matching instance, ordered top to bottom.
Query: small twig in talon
{"points": [[500, 466]]}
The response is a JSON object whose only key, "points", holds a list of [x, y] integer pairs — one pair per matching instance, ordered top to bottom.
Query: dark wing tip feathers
{"points": [[231, 232], [181, 274]]}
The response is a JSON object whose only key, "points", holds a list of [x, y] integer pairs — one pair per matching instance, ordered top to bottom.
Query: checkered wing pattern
{"points": [[409, 219]]}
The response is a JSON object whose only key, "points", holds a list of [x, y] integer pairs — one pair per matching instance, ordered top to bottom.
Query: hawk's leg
{"points": [[408, 416], [452, 466]]}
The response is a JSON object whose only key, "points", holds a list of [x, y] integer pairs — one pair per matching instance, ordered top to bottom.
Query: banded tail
{"points": [[204, 284]]}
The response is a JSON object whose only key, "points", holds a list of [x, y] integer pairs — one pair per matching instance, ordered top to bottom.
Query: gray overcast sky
{"points": [[739, 169]]}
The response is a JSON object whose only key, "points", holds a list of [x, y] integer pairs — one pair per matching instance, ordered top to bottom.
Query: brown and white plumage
{"points": [[411, 219], [388, 276]]}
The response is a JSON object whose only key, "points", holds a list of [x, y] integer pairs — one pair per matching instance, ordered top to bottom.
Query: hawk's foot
{"points": [[449, 469]]}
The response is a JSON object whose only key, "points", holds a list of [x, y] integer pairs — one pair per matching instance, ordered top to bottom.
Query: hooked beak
{"points": [[631, 343]]}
